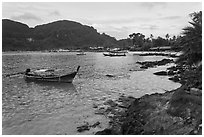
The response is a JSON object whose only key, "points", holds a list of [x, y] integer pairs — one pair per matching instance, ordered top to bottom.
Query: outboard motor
{"points": [[27, 71]]}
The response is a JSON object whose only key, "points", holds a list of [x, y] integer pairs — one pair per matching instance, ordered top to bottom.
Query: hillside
{"points": [[60, 34], [14, 35]]}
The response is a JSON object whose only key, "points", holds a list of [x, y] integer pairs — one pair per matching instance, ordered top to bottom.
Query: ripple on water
{"points": [[52, 108]]}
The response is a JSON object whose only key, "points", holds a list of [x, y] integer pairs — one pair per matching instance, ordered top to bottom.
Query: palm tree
{"points": [[167, 36], [151, 37], [192, 40]]}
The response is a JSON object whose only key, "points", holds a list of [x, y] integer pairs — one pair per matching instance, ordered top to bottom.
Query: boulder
{"points": [[148, 64], [144, 67], [171, 72], [161, 73], [109, 75], [175, 78], [110, 103], [95, 124], [83, 127], [104, 132]]}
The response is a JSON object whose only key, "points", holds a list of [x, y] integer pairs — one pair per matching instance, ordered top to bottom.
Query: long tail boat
{"points": [[114, 53], [33, 76]]}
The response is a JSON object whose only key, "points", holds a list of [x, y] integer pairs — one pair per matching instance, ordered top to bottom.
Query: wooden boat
{"points": [[114, 54], [33, 76]]}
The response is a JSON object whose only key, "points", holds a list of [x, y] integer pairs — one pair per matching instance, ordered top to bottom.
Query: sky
{"points": [[117, 19]]}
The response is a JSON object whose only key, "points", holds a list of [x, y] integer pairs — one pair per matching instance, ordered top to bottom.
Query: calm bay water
{"points": [[58, 108]]}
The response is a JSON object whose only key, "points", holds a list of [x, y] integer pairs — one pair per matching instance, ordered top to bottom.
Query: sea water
{"points": [[33, 108]]}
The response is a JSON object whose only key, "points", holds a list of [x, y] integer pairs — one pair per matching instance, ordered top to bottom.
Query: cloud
{"points": [[151, 5], [55, 13], [26, 16], [171, 18], [107, 20], [120, 21], [147, 27], [153, 27], [117, 31]]}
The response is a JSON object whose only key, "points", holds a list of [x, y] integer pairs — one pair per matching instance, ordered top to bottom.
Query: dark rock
{"points": [[158, 54], [164, 62], [141, 63], [148, 64], [144, 67], [173, 68], [176, 69], [171, 72], [161, 73], [109, 75], [175, 79], [131, 97], [111, 103], [95, 106], [123, 106], [109, 109], [95, 124], [87, 126], [83, 127], [104, 132]]}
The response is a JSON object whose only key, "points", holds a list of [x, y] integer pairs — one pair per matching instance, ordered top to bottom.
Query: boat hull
{"points": [[81, 54], [112, 55], [64, 78]]}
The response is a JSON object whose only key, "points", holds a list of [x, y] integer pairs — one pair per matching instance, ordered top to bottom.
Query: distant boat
{"points": [[60, 50], [81, 53], [114, 53], [47, 75]]}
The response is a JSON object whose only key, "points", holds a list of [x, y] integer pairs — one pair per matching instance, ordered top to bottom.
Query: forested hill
{"points": [[60, 34]]}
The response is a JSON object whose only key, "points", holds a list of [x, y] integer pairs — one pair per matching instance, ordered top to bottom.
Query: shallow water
{"points": [[58, 108]]}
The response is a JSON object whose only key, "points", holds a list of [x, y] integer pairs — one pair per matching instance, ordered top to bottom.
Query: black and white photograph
{"points": [[101, 67]]}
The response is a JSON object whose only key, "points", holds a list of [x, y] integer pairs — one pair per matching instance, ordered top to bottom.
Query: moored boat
{"points": [[114, 54], [35, 76]]}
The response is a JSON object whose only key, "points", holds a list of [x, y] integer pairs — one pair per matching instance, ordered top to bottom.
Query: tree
{"points": [[167, 36], [151, 37], [174, 38], [138, 39], [192, 40], [159, 42]]}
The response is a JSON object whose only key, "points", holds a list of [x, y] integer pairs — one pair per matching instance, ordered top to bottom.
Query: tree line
{"points": [[140, 42]]}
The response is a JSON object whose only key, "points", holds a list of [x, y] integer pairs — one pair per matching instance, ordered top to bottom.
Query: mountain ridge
{"points": [[17, 36]]}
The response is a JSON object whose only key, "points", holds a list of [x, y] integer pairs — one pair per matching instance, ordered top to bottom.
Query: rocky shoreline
{"points": [[159, 54], [150, 64], [176, 112], [156, 114]]}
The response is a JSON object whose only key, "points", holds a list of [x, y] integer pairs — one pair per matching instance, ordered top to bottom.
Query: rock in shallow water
{"points": [[87, 126], [83, 127]]}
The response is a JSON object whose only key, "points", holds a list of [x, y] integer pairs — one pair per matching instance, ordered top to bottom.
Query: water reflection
{"points": [[66, 87]]}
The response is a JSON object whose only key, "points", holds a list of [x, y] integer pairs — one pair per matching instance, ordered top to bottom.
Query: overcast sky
{"points": [[115, 19]]}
